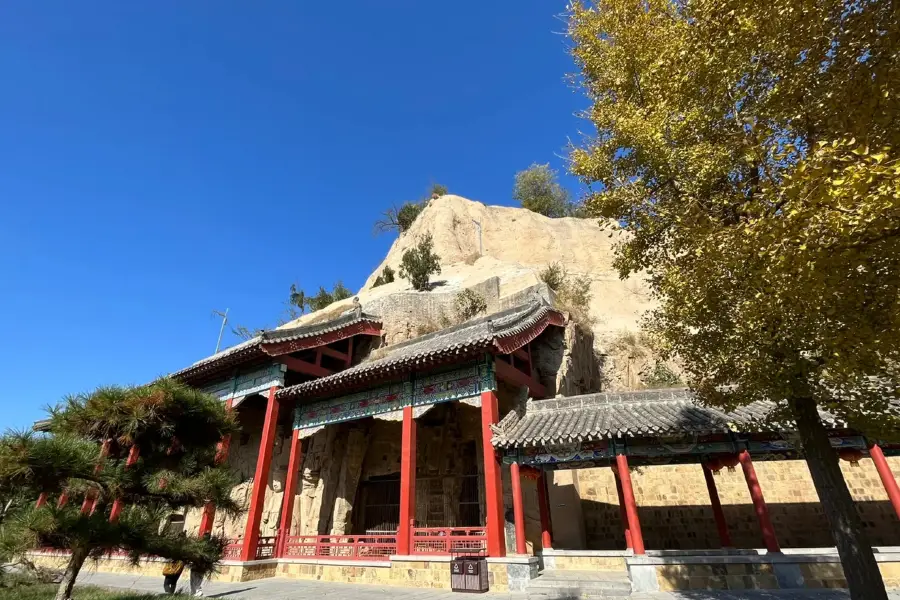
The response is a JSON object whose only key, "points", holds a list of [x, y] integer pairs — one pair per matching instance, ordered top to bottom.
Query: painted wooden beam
{"points": [[329, 351], [301, 366], [508, 373]]}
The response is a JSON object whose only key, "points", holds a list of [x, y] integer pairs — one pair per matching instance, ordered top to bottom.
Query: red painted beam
{"points": [[363, 328], [329, 351], [520, 353], [307, 368], [513, 376], [295, 462], [887, 477], [261, 478], [407, 483], [493, 487], [759, 503], [518, 508], [544, 508], [718, 513], [634, 522]]}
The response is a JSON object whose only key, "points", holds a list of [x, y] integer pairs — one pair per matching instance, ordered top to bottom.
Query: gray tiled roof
{"points": [[468, 339], [253, 347], [600, 416]]}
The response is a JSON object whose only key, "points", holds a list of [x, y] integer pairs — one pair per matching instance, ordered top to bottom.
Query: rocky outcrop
{"points": [[499, 252]]}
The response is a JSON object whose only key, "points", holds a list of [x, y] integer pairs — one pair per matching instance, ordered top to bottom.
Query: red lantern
{"points": [[851, 455], [730, 461], [714, 464]]}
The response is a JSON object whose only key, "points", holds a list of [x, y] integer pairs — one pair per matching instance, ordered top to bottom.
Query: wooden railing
{"points": [[448, 540], [343, 547]]}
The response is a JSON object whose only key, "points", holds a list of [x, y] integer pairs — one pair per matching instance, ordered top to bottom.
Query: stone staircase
{"points": [[577, 585]]}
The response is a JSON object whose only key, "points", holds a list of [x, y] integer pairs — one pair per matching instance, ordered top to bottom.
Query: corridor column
{"points": [[295, 462], [887, 477], [261, 478], [407, 484], [493, 486], [759, 503], [518, 508], [544, 508], [209, 511], [718, 513], [623, 514], [634, 523]]}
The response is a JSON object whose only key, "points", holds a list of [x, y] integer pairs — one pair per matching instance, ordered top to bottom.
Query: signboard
{"points": [[457, 384]]}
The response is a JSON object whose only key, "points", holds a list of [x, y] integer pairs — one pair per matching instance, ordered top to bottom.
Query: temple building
{"points": [[369, 462]]}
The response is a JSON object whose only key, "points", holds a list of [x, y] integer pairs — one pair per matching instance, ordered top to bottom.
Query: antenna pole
{"points": [[221, 329]]}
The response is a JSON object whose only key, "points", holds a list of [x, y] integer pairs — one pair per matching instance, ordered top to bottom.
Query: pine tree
{"points": [[124, 458]]}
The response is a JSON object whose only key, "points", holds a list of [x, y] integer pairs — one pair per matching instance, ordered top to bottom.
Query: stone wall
{"points": [[675, 512]]}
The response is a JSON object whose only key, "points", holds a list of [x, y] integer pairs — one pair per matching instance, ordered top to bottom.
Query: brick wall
{"points": [[675, 511]]}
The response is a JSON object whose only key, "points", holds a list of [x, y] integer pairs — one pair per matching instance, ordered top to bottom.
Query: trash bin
{"points": [[469, 573]]}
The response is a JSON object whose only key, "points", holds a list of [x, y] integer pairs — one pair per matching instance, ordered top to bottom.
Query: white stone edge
{"points": [[587, 553], [794, 557], [420, 558], [513, 560], [249, 563]]}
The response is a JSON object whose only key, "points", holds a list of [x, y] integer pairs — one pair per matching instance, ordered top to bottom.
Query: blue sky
{"points": [[162, 159]]}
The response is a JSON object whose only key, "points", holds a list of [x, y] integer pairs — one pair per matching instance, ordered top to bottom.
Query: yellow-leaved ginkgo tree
{"points": [[750, 150]]}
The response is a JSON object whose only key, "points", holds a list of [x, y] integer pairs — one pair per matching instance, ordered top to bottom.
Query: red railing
{"points": [[448, 540], [266, 547], [343, 547], [233, 550]]}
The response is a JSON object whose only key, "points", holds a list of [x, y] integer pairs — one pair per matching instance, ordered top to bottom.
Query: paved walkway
{"points": [[277, 588]]}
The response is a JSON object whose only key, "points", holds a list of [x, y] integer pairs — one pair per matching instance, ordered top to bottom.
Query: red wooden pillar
{"points": [[295, 462], [887, 477], [261, 478], [407, 483], [493, 484], [90, 497], [759, 503], [117, 504], [518, 508], [544, 508], [209, 511], [623, 514], [634, 523], [721, 523]]}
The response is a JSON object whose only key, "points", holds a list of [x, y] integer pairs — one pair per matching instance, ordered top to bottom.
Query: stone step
{"points": [[579, 585]]}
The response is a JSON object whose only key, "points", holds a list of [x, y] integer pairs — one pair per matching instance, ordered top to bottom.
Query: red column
{"points": [[887, 477], [260, 478], [407, 483], [493, 485], [290, 489], [91, 496], [759, 503], [117, 504], [518, 508], [544, 508], [209, 511], [623, 514], [634, 523], [721, 523]]}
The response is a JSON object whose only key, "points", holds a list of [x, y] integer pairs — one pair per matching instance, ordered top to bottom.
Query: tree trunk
{"points": [[858, 560], [68, 581]]}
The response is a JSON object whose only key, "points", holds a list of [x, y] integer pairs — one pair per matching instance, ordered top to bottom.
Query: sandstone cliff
{"points": [[505, 261]]}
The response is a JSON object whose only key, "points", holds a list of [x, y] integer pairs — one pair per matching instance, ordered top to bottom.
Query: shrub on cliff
{"points": [[538, 190], [419, 263], [386, 276], [573, 292], [469, 303]]}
